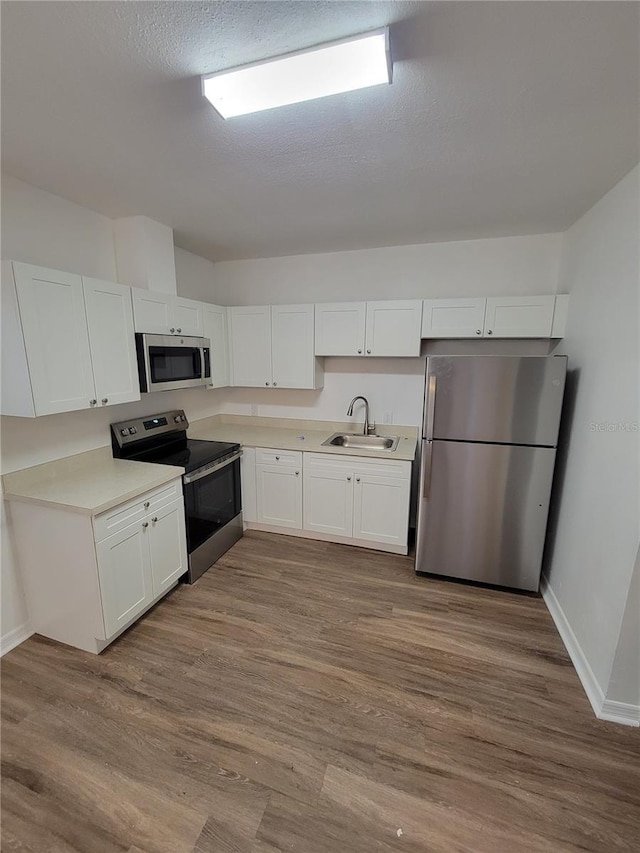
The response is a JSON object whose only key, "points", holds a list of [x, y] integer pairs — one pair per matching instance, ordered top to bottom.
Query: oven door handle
{"points": [[198, 475]]}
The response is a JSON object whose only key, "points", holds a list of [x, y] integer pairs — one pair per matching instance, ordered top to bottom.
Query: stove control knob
{"points": [[183, 417], [177, 419], [132, 430], [124, 432]]}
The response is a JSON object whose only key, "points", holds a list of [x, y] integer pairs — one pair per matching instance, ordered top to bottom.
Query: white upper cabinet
{"points": [[153, 312], [163, 314], [519, 316], [188, 317], [495, 317], [453, 318], [340, 328], [389, 328], [393, 328], [215, 329], [56, 340], [112, 342], [70, 345], [250, 345], [272, 346], [293, 360]]}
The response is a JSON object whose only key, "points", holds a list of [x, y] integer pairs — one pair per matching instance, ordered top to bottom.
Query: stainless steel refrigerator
{"points": [[488, 451]]}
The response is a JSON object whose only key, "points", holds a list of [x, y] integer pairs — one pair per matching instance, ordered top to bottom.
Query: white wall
{"points": [[499, 267], [194, 275], [597, 517], [624, 684]]}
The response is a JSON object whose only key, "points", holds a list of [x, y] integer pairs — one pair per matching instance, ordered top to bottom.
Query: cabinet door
{"points": [[153, 312], [188, 317], [519, 317], [453, 318], [215, 328], [340, 328], [393, 328], [56, 339], [112, 341], [250, 345], [293, 356], [279, 493], [328, 500], [381, 509], [167, 545], [124, 568]]}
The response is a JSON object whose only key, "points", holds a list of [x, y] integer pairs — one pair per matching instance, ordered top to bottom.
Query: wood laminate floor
{"points": [[313, 697]]}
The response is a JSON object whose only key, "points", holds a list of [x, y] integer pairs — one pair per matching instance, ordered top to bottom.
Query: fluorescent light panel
{"points": [[341, 66]]}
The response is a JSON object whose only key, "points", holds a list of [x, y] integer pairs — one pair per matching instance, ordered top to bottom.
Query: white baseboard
{"points": [[14, 638], [604, 709], [620, 712]]}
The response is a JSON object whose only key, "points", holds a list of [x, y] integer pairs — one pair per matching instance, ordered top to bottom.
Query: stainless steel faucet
{"points": [[368, 428]]}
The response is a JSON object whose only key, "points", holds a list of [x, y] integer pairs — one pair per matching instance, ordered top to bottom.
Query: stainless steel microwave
{"points": [[167, 362]]}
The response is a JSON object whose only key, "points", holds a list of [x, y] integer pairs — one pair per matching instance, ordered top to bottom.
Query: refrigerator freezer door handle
{"points": [[430, 407], [427, 458]]}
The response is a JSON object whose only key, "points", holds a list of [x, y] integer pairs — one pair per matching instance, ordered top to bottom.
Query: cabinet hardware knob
{"points": [[178, 330], [478, 331], [489, 332], [359, 352], [368, 352], [266, 383], [274, 384], [105, 400], [92, 402], [277, 458], [297, 473], [348, 479], [357, 479], [146, 504], [154, 519], [145, 523]]}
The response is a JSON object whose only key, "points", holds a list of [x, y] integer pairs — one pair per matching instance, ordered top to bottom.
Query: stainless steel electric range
{"points": [[212, 494]]}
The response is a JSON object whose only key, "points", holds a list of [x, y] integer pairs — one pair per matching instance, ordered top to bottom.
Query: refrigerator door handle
{"points": [[430, 407], [427, 460]]}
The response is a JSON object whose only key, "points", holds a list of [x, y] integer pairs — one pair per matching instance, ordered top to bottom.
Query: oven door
{"points": [[166, 362], [213, 506]]}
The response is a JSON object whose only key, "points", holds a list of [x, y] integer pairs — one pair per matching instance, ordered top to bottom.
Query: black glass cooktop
{"points": [[190, 453]]}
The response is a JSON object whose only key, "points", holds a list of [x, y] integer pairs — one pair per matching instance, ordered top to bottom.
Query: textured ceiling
{"points": [[503, 118]]}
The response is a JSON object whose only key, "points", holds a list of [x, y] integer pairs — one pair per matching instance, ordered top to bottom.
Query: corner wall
{"points": [[595, 519]]}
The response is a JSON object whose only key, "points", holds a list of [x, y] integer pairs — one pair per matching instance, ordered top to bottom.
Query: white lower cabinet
{"points": [[279, 488], [328, 499], [351, 499], [380, 509], [167, 546], [142, 560], [87, 579], [126, 585]]}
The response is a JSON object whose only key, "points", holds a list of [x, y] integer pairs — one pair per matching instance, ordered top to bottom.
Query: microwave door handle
{"points": [[198, 364], [198, 475]]}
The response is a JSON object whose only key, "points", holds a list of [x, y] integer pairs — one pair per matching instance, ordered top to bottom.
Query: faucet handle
{"points": [[371, 429]]}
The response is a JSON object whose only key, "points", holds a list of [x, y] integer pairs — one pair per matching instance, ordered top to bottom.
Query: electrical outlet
{"points": [[254, 409], [387, 418]]}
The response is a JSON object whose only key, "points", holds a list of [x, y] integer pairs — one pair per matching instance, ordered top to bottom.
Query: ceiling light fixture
{"points": [[341, 66]]}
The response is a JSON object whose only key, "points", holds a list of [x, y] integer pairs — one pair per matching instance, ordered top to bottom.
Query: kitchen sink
{"points": [[362, 442]]}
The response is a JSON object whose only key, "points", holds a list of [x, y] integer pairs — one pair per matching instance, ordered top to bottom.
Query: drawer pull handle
{"points": [[277, 458], [154, 519], [145, 523]]}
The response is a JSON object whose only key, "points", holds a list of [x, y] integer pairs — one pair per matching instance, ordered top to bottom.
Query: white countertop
{"points": [[289, 434], [94, 482], [89, 483]]}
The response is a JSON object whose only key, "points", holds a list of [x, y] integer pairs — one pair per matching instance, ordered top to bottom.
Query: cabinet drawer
{"points": [[266, 456], [119, 517]]}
